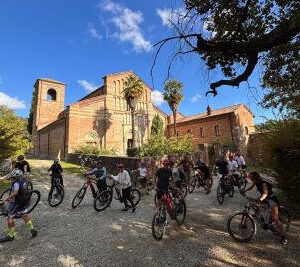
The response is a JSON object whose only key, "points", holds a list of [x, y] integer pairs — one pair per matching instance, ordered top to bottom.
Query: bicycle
{"points": [[198, 180], [239, 180], [149, 185], [224, 187], [82, 191], [57, 193], [104, 199], [34, 200], [175, 206], [245, 222]]}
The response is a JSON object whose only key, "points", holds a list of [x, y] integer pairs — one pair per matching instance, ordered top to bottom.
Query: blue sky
{"points": [[79, 41]]}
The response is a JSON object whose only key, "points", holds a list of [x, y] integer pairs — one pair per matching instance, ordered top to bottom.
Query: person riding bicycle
{"points": [[240, 160], [22, 165], [200, 165], [222, 165], [186, 166], [56, 172], [100, 174], [142, 175], [177, 176], [123, 178], [162, 179], [267, 196], [16, 205]]}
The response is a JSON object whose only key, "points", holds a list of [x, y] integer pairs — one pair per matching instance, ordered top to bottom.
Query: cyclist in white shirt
{"points": [[240, 160], [232, 165], [142, 175], [123, 178]]}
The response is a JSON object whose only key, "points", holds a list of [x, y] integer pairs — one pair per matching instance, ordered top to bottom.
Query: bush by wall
{"points": [[93, 150]]}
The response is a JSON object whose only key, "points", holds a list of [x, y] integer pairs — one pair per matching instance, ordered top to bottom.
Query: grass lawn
{"points": [[4, 185]]}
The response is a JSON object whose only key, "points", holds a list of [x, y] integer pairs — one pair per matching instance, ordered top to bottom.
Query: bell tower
{"points": [[49, 102]]}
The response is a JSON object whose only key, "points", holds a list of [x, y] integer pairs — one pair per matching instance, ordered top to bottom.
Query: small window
{"points": [[51, 95], [189, 131], [247, 131], [201, 132], [217, 132]]}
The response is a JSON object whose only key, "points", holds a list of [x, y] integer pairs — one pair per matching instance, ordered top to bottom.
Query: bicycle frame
{"points": [[90, 183]]}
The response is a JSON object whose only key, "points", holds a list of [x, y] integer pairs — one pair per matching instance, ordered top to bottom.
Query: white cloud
{"points": [[169, 15], [127, 23], [93, 31], [89, 87], [157, 98], [195, 98], [11, 102]]}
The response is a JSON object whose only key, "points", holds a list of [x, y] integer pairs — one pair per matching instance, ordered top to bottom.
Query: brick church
{"points": [[103, 119]]}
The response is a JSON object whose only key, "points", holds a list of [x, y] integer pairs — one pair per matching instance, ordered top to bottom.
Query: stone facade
{"points": [[101, 118]]}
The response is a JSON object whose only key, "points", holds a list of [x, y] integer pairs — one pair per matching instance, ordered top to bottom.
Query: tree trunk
{"points": [[175, 119], [132, 128]]}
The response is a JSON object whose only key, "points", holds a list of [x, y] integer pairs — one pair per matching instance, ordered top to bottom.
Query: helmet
{"points": [[16, 173]]}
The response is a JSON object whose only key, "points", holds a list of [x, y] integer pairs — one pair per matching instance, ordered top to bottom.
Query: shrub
{"points": [[93, 150], [132, 151], [281, 152]]}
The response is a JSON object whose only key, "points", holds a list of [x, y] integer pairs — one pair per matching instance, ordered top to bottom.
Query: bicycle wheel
{"points": [[192, 185], [5, 193], [220, 193], [56, 195], [135, 196], [78, 197], [34, 200], [103, 200], [180, 208], [285, 218], [159, 224], [241, 227]]}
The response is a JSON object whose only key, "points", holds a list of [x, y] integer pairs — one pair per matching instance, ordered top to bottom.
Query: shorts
{"points": [[13, 209]]}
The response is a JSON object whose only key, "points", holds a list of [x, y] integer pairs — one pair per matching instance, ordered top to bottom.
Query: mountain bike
{"points": [[198, 180], [239, 180], [136, 183], [224, 187], [82, 191], [57, 193], [103, 199], [34, 200], [173, 204], [242, 228]]}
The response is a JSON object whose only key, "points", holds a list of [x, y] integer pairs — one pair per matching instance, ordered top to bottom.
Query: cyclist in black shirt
{"points": [[22, 165], [200, 165], [56, 171], [162, 179], [267, 196]]}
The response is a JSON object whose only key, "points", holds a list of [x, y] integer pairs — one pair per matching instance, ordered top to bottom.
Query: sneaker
{"points": [[125, 209], [34, 232], [6, 239], [283, 241]]}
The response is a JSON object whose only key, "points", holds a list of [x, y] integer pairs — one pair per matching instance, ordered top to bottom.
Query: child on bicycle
{"points": [[56, 172], [123, 178], [15, 206]]}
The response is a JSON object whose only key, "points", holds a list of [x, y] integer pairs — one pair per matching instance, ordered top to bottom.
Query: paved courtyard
{"points": [[84, 237]]}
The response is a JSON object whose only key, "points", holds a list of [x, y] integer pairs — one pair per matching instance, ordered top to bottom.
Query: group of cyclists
{"points": [[172, 174]]}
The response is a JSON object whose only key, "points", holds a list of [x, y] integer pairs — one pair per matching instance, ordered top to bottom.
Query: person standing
{"points": [[22, 165]]}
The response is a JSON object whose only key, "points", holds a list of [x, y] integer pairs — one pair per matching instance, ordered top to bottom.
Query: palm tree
{"points": [[133, 90], [172, 94]]}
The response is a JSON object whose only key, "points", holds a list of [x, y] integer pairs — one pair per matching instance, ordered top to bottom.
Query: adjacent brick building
{"points": [[103, 119]]}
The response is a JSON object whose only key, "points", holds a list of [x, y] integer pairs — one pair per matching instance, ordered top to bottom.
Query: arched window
{"points": [[51, 95]]}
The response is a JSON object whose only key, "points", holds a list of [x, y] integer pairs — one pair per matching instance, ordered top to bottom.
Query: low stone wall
{"points": [[110, 162]]}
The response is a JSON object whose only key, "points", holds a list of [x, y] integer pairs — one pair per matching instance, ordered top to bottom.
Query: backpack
{"points": [[24, 194]]}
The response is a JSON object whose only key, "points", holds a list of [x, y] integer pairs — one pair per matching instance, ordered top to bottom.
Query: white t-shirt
{"points": [[240, 160], [233, 166], [142, 171], [123, 179]]}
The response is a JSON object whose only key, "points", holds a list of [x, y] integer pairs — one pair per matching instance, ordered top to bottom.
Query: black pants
{"points": [[53, 182], [101, 184], [126, 197]]}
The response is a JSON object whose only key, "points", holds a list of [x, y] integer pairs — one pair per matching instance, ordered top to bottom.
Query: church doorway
{"points": [[129, 143]]}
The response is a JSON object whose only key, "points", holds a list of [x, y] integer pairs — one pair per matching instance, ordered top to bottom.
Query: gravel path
{"points": [[83, 237]]}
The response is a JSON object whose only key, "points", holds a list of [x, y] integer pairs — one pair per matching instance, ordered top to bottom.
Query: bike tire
{"points": [[192, 185], [60, 191], [5, 192], [220, 193], [80, 195], [135, 195], [99, 203], [32, 204], [180, 209], [285, 218], [248, 219], [156, 221]]}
